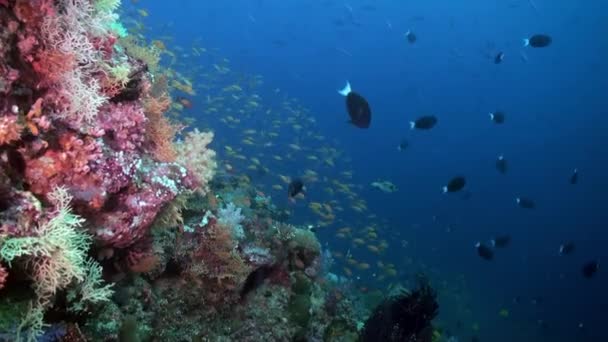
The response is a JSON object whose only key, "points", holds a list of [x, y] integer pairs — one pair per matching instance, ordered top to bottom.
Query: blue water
{"points": [[557, 120]]}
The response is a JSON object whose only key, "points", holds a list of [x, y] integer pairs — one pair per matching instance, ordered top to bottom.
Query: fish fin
{"points": [[408, 32], [526, 42], [346, 90], [492, 116], [412, 124], [444, 189], [518, 200], [493, 242], [478, 244]]}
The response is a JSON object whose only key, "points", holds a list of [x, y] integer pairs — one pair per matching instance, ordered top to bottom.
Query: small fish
{"points": [[410, 36], [538, 41], [499, 57], [358, 108], [497, 117], [424, 122], [403, 145], [501, 165], [574, 177], [455, 184], [385, 186], [295, 187], [525, 203], [501, 241], [567, 248], [484, 251], [590, 268], [537, 300]]}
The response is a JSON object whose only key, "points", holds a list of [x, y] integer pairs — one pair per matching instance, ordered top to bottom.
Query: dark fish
{"points": [[411, 37], [538, 41], [499, 57], [358, 109], [498, 117], [424, 122], [403, 145], [501, 165], [574, 177], [456, 184], [295, 187], [525, 203], [501, 241], [566, 248], [484, 251], [590, 268], [256, 278], [517, 299], [536, 300]]}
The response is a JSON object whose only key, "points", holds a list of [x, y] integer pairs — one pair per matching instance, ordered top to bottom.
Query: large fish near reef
{"points": [[358, 109]]}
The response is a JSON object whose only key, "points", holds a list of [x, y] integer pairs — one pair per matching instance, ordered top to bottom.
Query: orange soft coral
{"points": [[10, 130], [160, 132]]}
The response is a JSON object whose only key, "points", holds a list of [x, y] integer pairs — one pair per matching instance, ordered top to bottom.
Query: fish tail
{"points": [[526, 42], [346, 90]]}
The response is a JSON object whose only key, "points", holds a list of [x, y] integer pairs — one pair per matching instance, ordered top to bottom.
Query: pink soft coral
{"points": [[124, 125]]}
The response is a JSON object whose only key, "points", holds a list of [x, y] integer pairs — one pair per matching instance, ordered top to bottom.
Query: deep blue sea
{"points": [[555, 100]]}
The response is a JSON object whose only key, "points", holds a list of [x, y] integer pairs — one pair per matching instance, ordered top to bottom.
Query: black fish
{"points": [[411, 37], [538, 41], [499, 57], [358, 109], [498, 117], [424, 122], [403, 145], [501, 165], [574, 177], [455, 184], [295, 187], [525, 203], [501, 241], [566, 248], [484, 251], [589, 269], [256, 278]]}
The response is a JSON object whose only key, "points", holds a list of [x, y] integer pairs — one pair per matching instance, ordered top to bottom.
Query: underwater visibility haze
{"points": [[330, 170]]}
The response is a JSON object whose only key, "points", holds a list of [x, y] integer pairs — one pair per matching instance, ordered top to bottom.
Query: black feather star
{"points": [[405, 318]]}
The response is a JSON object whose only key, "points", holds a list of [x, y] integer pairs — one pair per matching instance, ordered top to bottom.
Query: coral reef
{"points": [[112, 225]]}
